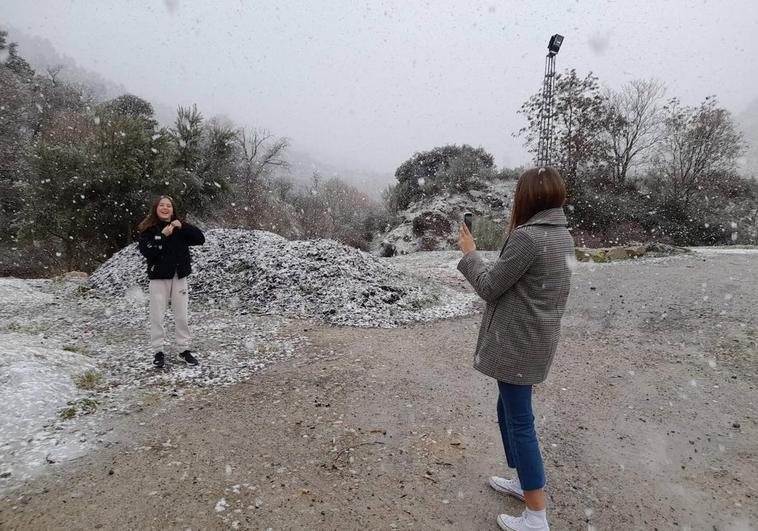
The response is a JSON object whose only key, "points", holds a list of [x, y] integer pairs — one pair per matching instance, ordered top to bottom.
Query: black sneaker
{"points": [[188, 357], [159, 360]]}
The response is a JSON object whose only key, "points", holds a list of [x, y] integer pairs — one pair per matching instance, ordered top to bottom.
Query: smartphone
{"points": [[468, 218]]}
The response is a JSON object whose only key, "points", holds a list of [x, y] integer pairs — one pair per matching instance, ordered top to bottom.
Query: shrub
{"points": [[489, 234], [88, 380]]}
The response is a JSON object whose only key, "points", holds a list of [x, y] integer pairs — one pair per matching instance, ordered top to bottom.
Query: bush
{"points": [[440, 169], [432, 223], [489, 234], [428, 243], [89, 380]]}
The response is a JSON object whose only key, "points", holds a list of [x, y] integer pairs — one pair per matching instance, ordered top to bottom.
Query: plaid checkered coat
{"points": [[526, 291]]}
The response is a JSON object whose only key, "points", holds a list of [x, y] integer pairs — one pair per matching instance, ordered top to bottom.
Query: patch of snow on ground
{"points": [[725, 250], [17, 291], [53, 333], [36, 382]]}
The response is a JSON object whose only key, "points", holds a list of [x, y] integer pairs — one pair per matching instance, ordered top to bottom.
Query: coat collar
{"points": [[551, 216]]}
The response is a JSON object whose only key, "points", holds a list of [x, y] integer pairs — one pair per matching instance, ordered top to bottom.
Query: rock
{"points": [[664, 248], [387, 249], [635, 251], [615, 253], [582, 254], [607, 254], [598, 255], [6, 474]]}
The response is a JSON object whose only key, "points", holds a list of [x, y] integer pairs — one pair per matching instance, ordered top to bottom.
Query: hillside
{"points": [[433, 223]]}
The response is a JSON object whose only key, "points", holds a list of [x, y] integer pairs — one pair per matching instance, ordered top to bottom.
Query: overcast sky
{"points": [[365, 84]]}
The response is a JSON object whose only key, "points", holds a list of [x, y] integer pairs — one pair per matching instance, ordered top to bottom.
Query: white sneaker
{"points": [[507, 486], [519, 523]]}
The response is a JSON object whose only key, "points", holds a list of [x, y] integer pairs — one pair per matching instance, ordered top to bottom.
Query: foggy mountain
{"points": [[41, 55], [748, 121], [302, 167]]}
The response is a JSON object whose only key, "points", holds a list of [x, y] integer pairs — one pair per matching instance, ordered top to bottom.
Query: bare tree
{"points": [[52, 72], [578, 111], [633, 125], [697, 146], [260, 152]]}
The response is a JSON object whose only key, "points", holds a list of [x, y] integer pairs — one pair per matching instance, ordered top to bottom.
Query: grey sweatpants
{"points": [[161, 292]]}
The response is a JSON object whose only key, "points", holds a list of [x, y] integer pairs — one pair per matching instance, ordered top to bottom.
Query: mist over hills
{"points": [[42, 55], [748, 121]]}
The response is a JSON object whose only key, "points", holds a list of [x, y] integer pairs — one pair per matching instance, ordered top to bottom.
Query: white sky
{"points": [[365, 84]]}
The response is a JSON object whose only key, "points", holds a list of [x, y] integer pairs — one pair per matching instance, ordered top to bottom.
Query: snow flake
{"points": [[221, 505]]}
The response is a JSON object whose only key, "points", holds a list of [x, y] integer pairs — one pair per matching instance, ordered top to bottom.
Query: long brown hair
{"points": [[538, 189], [152, 218]]}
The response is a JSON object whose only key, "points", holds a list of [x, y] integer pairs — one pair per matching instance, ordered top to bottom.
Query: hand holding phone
{"points": [[468, 218], [466, 240]]}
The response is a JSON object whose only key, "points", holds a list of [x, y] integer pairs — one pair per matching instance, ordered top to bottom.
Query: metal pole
{"points": [[545, 142]]}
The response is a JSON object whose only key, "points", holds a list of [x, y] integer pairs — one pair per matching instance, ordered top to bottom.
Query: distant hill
{"points": [[41, 54], [302, 166]]}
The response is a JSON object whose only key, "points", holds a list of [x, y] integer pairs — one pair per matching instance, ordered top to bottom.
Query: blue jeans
{"points": [[522, 451]]}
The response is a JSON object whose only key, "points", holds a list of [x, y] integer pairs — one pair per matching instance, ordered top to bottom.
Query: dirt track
{"points": [[648, 421]]}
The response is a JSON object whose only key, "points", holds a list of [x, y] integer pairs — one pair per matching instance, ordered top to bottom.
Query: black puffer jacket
{"points": [[169, 255]]}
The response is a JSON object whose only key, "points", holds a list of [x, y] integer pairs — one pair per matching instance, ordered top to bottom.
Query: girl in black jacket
{"points": [[165, 241]]}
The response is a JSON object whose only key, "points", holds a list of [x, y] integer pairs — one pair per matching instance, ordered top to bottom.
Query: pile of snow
{"points": [[260, 272], [36, 382]]}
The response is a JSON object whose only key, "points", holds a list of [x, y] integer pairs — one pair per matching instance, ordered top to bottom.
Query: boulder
{"points": [[664, 248], [387, 249], [635, 251], [615, 253], [582, 254], [599, 255]]}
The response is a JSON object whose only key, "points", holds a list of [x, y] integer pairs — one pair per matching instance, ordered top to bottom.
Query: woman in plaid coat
{"points": [[526, 291]]}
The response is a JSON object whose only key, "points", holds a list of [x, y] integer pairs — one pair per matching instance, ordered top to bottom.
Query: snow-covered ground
{"points": [[725, 250], [246, 288], [70, 363], [36, 382]]}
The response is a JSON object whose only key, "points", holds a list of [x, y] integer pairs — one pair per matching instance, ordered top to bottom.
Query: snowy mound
{"points": [[261, 272], [36, 381]]}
